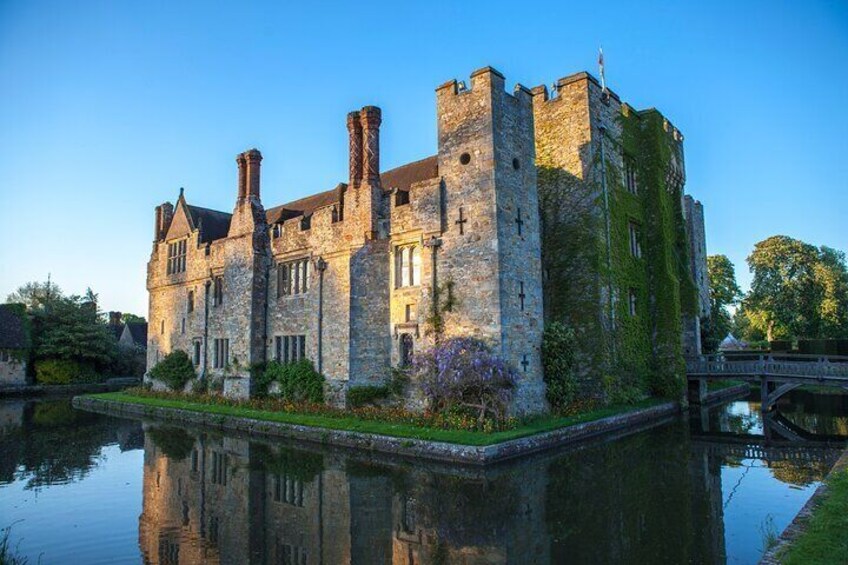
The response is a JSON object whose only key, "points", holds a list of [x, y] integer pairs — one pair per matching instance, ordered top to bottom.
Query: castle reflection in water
{"points": [[206, 497], [219, 499]]}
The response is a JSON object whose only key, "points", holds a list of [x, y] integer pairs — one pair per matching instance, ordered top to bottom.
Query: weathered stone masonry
{"points": [[382, 265]]}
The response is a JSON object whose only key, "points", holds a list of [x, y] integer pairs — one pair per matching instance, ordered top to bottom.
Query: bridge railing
{"points": [[779, 364]]}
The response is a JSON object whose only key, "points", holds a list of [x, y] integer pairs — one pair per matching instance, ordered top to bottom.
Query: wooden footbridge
{"points": [[776, 373]]}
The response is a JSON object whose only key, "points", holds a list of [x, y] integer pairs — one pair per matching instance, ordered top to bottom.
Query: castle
{"points": [[466, 242]]}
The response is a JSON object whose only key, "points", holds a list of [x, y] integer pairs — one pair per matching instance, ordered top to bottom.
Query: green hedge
{"points": [[782, 345], [819, 346], [63, 372]]}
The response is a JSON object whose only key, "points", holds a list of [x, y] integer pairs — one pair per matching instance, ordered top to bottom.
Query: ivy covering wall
{"points": [[620, 356]]}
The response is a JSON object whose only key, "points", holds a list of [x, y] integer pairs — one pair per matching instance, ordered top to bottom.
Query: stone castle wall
{"points": [[519, 179]]}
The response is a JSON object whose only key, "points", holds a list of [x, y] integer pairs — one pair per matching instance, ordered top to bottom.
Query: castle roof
{"points": [[406, 175], [400, 177], [212, 223], [13, 332]]}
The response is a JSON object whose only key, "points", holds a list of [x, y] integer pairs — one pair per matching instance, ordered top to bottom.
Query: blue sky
{"points": [[108, 108]]}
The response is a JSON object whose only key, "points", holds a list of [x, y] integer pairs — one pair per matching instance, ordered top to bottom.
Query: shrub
{"points": [[558, 346], [129, 362], [175, 370], [63, 372], [463, 375], [298, 381], [367, 394]]}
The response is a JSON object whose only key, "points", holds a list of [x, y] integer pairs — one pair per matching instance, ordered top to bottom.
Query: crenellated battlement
{"points": [[485, 79]]}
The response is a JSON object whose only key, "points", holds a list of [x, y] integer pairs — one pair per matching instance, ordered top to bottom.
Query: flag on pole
{"points": [[601, 68]]}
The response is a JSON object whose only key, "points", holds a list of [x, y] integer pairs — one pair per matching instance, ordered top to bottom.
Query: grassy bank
{"points": [[349, 423], [825, 539]]}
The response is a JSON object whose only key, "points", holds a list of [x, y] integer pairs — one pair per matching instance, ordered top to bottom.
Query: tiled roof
{"points": [[405, 176], [400, 177], [304, 206], [212, 223], [215, 225], [13, 332], [138, 332]]}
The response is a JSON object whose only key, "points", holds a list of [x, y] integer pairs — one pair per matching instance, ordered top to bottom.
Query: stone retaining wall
{"points": [[434, 450]]}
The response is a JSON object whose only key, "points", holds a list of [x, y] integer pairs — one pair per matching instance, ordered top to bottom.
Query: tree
{"points": [[832, 276], [723, 288], [798, 290], [724, 292], [36, 295], [132, 319], [71, 330]]}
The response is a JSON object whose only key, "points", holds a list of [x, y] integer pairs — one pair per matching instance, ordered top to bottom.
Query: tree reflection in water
{"points": [[47, 442]]}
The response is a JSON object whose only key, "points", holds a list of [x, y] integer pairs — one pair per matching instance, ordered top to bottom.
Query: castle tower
{"points": [[490, 258]]}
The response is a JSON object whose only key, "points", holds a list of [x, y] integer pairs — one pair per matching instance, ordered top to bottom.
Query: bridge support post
{"points": [[697, 389], [764, 394]]}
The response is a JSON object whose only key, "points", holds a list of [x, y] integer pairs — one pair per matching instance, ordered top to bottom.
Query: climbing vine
{"points": [[444, 300], [620, 354]]}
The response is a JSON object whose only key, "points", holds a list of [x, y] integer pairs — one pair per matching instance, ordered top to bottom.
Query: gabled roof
{"points": [[212, 223], [13, 330], [138, 332]]}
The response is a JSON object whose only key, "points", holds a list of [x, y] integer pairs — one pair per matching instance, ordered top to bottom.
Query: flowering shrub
{"points": [[462, 376]]}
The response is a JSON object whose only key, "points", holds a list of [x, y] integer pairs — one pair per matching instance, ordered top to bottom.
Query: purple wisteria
{"points": [[463, 373]]}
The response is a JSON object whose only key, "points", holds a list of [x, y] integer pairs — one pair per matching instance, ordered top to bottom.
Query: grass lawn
{"points": [[526, 428], [826, 537]]}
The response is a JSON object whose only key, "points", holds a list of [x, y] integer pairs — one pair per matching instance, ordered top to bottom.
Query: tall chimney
{"points": [[370, 118], [354, 130], [253, 158], [242, 182], [157, 228]]}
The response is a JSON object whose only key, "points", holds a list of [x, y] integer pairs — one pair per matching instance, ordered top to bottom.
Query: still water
{"points": [[78, 487]]}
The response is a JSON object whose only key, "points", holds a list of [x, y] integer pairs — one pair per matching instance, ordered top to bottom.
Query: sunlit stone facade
{"points": [[361, 276]]}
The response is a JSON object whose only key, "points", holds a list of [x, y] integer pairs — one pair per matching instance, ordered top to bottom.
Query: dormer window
{"points": [[401, 197], [277, 231], [177, 257]]}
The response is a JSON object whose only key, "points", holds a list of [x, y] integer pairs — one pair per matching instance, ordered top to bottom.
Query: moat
{"points": [[708, 488]]}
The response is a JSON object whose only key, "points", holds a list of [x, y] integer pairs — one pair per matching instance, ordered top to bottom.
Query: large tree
{"points": [[798, 290], [724, 292], [36, 295], [71, 330]]}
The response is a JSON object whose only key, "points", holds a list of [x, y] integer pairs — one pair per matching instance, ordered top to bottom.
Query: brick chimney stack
{"points": [[370, 118], [354, 130], [253, 158], [242, 179], [164, 215]]}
